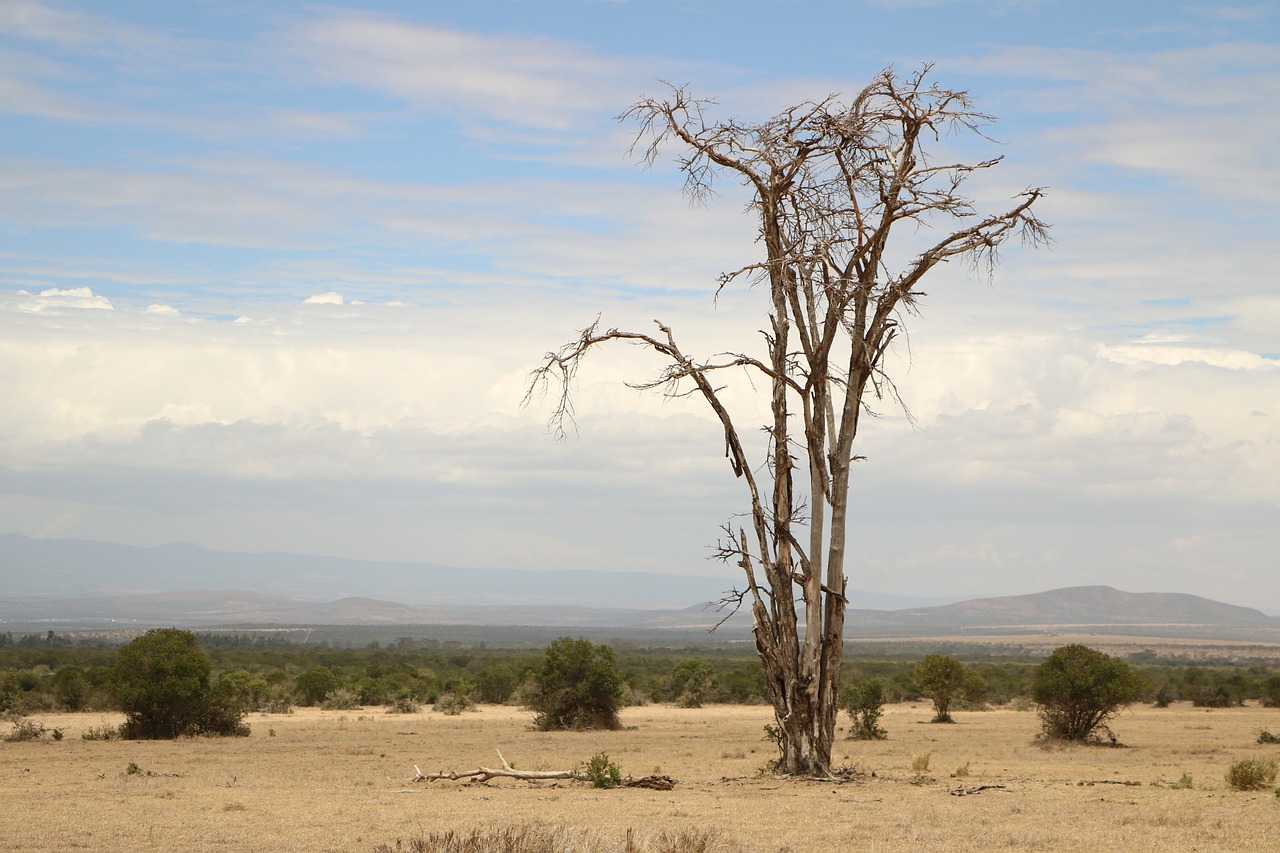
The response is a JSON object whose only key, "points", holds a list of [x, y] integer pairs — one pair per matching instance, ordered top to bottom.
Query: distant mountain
{"points": [[74, 568], [73, 582], [1091, 605], [1089, 609]]}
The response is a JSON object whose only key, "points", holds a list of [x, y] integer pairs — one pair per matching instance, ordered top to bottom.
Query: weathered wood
{"points": [[484, 774], [653, 783], [965, 792]]}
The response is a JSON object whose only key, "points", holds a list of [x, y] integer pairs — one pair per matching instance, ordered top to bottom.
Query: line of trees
{"points": [[35, 676]]}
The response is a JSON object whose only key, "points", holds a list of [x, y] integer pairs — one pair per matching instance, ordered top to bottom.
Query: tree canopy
{"points": [[577, 686], [1079, 689]]}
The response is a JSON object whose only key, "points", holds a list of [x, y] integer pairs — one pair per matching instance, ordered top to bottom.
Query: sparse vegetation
{"points": [[341, 699], [23, 728], [102, 732], [1265, 736], [712, 753], [920, 763], [1252, 774], [542, 838]]}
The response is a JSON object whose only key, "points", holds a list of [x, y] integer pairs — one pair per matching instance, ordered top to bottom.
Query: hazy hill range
{"points": [[73, 568], [69, 583], [1088, 605]]}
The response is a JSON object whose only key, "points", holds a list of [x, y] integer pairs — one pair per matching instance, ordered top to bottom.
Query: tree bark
{"points": [[831, 182]]}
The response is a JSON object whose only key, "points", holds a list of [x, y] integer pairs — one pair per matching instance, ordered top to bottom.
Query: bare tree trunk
{"points": [[830, 183]]}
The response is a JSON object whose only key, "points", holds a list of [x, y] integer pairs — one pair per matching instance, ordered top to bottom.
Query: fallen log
{"points": [[484, 774], [653, 783], [965, 792]]}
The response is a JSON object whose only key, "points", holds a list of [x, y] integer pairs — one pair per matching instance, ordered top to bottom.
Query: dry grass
{"points": [[340, 781]]}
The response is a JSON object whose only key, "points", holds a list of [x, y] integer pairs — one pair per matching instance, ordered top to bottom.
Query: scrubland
{"points": [[342, 781]]}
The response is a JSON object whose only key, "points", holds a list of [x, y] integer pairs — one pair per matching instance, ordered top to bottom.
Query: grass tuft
{"points": [[1252, 774], [544, 838]]}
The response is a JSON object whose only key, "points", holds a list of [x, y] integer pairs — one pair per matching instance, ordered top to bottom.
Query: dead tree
{"points": [[831, 183]]}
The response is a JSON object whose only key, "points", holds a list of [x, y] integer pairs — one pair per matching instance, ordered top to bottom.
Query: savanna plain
{"points": [[317, 780]]}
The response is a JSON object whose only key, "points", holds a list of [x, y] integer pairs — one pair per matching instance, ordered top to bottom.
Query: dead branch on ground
{"points": [[484, 774]]}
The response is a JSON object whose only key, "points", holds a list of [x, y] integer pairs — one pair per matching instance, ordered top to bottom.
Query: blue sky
{"points": [[272, 277]]}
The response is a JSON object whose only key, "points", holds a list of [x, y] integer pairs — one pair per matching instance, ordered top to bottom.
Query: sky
{"points": [[273, 278]]}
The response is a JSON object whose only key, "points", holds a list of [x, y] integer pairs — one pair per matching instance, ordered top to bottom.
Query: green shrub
{"points": [[942, 679], [161, 680], [690, 682], [496, 683], [315, 685], [577, 686], [70, 688], [245, 689], [1078, 689], [1270, 692], [277, 701], [864, 702], [453, 704], [404, 705], [23, 728], [102, 732], [1265, 736], [601, 772], [1252, 774]]}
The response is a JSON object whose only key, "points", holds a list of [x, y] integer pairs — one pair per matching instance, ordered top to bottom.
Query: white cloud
{"points": [[539, 82], [330, 298], [53, 299]]}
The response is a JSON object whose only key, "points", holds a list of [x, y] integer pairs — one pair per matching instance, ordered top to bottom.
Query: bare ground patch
{"points": [[342, 781]]}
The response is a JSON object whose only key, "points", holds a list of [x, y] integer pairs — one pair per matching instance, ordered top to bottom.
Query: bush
{"points": [[941, 679], [161, 680], [690, 682], [496, 683], [315, 685], [577, 686], [71, 688], [245, 689], [1078, 689], [1270, 692], [341, 700], [864, 702], [452, 704], [404, 705], [24, 729], [102, 732], [1265, 736], [601, 772], [1252, 774]]}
